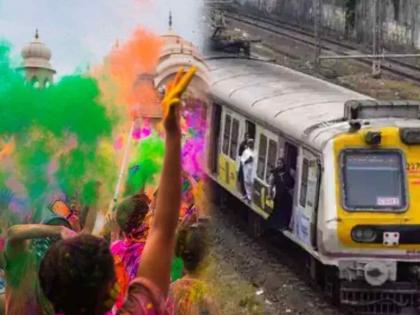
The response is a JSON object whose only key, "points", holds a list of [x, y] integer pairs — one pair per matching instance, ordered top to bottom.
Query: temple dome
{"points": [[36, 55]]}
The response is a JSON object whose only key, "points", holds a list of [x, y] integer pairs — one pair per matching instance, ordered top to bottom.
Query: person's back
{"points": [[133, 218], [25, 247], [23, 292], [191, 295]]}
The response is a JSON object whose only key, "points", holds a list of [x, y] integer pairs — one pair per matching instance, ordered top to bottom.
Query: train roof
{"points": [[302, 107]]}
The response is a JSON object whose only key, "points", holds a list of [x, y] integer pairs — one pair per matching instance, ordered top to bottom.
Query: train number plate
{"points": [[388, 201]]}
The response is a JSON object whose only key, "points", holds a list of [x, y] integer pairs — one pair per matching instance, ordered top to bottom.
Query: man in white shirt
{"points": [[247, 160]]}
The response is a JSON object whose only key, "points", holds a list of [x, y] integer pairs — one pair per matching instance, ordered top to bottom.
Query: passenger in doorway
{"points": [[243, 144], [247, 161], [240, 180], [281, 191]]}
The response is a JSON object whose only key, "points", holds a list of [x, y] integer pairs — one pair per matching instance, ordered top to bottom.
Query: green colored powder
{"points": [[42, 121], [146, 164], [177, 269]]}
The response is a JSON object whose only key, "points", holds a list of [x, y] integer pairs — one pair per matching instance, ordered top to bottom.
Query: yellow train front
{"points": [[356, 167], [372, 208]]}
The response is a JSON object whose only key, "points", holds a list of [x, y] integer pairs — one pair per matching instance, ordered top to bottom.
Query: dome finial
{"points": [[170, 20], [36, 34]]}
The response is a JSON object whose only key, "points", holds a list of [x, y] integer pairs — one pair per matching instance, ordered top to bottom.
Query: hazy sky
{"points": [[81, 32]]}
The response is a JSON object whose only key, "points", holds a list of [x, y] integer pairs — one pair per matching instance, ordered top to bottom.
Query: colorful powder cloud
{"points": [[120, 77], [41, 122]]}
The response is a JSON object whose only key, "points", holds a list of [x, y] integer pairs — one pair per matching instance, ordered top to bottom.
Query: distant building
{"points": [[36, 63]]}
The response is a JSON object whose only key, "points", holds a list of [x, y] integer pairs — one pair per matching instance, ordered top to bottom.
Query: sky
{"points": [[82, 32]]}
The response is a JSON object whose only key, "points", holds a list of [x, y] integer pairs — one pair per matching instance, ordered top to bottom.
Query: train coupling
{"points": [[374, 272]]}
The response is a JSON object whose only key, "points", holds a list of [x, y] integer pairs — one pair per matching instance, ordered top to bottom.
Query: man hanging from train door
{"points": [[247, 161], [240, 176], [281, 191]]}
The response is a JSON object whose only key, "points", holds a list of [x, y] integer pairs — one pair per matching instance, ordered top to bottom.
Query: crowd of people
{"points": [[59, 267]]}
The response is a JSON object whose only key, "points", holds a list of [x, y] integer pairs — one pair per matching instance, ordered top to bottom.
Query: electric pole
{"points": [[317, 30], [376, 45]]}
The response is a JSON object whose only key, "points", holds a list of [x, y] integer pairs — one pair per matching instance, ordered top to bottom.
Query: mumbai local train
{"points": [[356, 166]]}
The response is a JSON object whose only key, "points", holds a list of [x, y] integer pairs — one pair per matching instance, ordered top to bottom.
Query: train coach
{"points": [[356, 168]]}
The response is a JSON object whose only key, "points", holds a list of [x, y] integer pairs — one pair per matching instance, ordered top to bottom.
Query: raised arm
{"points": [[92, 200], [17, 235], [160, 246]]}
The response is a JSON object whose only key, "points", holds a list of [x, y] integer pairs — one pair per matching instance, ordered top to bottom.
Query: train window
{"points": [[250, 129], [226, 135], [234, 139], [262, 156], [291, 156], [271, 160], [373, 180], [304, 183]]}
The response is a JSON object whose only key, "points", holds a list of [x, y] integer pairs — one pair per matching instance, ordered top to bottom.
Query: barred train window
{"points": [[226, 135], [234, 139], [262, 155], [304, 183]]}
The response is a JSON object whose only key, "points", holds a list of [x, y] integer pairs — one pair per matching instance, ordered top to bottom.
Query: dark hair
{"points": [[132, 211], [191, 245], [75, 274]]}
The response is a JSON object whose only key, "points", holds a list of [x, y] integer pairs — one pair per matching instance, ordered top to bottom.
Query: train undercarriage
{"points": [[358, 297]]}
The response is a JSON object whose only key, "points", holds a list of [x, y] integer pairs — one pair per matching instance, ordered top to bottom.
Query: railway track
{"points": [[329, 46], [271, 263]]}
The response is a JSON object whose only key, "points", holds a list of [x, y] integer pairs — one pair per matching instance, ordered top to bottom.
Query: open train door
{"points": [[214, 138], [306, 198]]}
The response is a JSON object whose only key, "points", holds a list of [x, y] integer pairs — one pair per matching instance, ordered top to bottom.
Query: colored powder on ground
{"points": [[64, 123], [146, 164]]}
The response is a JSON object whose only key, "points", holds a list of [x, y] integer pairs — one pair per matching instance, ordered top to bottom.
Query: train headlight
{"points": [[410, 135], [363, 235]]}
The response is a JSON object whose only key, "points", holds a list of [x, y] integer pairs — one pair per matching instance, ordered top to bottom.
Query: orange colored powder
{"points": [[126, 78]]}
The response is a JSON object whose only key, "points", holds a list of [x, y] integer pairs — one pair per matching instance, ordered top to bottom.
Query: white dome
{"points": [[36, 49], [36, 54]]}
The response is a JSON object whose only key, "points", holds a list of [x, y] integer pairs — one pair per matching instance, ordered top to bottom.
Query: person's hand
{"points": [[172, 99], [66, 233]]}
